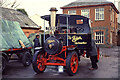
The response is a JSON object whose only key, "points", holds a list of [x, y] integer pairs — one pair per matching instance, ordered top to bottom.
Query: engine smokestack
{"points": [[53, 19]]}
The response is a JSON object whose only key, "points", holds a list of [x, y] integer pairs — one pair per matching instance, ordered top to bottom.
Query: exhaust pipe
{"points": [[53, 11]]}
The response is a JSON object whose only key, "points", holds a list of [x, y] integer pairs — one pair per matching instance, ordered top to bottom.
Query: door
{"points": [[118, 38]]}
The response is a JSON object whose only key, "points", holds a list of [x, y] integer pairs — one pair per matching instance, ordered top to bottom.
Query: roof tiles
{"points": [[13, 15]]}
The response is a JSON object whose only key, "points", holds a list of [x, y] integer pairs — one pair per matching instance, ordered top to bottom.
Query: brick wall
{"points": [[108, 25], [29, 31]]}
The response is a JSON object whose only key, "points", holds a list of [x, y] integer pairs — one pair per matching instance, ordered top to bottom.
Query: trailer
{"points": [[13, 41]]}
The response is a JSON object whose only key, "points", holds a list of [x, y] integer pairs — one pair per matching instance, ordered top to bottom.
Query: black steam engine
{"points": [[69, 36]]}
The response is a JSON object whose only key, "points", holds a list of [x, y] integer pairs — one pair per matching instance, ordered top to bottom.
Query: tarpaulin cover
{"points": [[10, 35]]}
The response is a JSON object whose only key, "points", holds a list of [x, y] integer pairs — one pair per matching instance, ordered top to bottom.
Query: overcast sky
{"points": [[41, 7]]}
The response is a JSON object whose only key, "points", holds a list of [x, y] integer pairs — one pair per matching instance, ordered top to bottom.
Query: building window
{"points": [[72, 12], [85, 12], [99, 14], [113, 16], [79, 21], [99, 36]]}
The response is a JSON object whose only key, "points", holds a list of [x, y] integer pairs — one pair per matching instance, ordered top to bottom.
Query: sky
{"points": [[41, 7]]}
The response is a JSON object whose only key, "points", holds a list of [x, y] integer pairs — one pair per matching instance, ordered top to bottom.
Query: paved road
{"points": [[108, 68]]}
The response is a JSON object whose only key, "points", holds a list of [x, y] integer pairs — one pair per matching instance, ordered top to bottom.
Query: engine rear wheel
{"points": [[98, 53], [39, 62], [72, 63]]}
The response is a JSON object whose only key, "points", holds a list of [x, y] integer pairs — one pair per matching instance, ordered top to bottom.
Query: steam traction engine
{"points": [[69, 36]]}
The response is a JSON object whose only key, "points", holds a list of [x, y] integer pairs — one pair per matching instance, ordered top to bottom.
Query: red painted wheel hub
{"points": [[40, 62], [74, 63]]}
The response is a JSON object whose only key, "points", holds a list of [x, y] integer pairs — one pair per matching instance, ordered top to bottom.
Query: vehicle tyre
{"points": [[26, 59], [39, 62], [4, 63], [72, 63]]}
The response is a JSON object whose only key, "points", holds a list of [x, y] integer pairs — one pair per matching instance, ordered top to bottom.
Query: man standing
{"points": [[36, 43], [93, 56]]}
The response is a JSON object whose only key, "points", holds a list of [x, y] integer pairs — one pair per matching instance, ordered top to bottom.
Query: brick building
{"points": [[103, 16], [27, 25]]}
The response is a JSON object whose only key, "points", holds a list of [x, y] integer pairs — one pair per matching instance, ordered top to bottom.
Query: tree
{"points": [[8, 4], [22, 11]]}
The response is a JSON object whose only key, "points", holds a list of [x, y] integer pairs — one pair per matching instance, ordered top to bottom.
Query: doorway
{"points": [[118, 38]]}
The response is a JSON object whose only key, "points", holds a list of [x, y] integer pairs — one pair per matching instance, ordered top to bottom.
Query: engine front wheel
{"points": [[39, 62], [72, 63]]}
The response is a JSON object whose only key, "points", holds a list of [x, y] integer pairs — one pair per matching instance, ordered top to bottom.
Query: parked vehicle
{"points": [[69, 36], [14, 41]]}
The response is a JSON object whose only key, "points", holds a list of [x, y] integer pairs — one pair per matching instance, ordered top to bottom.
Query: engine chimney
{"points": [[53, 19]]}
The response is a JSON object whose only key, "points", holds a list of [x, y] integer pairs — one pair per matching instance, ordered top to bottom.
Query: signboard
{"points": [[76, 39], [82, 41]]}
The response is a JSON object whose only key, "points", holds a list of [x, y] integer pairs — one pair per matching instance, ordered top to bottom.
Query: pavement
{"points": [[108, 68]]}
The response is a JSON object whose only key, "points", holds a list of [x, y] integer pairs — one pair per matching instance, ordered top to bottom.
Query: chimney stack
{"points": [[53, 11]]}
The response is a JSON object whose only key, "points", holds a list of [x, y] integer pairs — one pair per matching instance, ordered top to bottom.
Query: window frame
{"points": [[72, 13], [88, 14], [99, 14], [113, 16], [100, 35]]}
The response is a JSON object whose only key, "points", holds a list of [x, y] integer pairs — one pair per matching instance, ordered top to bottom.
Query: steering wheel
{"points": [[80, 30]]}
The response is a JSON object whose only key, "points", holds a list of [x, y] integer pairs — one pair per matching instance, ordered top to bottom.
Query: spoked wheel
{"points": [[39, 62], [72, 63]]}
